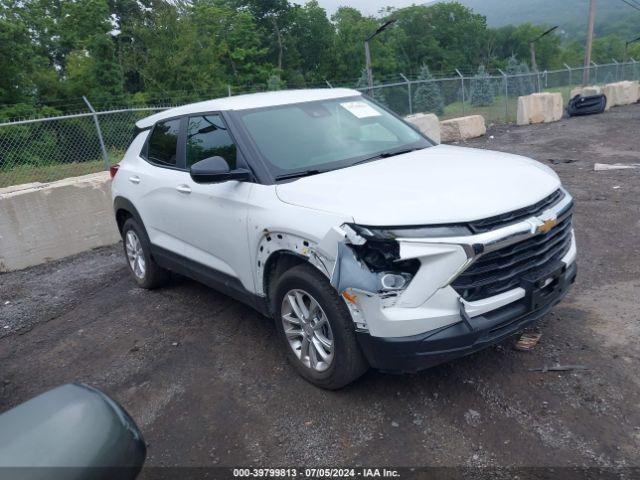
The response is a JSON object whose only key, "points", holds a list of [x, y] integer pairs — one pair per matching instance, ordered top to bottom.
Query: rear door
{"points": [[156, 180]]}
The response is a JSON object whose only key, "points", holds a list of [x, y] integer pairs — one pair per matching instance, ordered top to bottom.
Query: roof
{"points": [[252, 100]]}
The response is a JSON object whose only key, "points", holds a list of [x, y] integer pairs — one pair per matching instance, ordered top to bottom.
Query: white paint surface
{"points": [[443, 184]]}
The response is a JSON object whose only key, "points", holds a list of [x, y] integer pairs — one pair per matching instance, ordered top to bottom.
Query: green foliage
{"points": [[514, 41], [119, 52], [520, 80], [274, 82], [482, 91], [377, 94], [428, 96], [25, 111]]}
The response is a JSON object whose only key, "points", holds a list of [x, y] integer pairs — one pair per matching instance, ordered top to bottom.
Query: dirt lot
{"points": [[209, 384]]}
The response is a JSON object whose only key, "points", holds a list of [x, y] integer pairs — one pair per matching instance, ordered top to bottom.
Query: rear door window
{"points": [[208, 136], [163, 143]]}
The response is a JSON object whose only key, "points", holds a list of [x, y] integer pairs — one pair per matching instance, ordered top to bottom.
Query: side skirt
{"points": [[210, 277]]}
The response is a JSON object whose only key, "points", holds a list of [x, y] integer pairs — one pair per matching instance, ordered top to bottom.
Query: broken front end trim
{"points": [[397, 282], [418, 352]]}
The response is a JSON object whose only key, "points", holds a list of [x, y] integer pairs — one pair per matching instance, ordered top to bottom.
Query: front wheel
{"points": [[317, 330]]}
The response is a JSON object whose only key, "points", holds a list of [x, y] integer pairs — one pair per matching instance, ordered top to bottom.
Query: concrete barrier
{"points": [[586, 91], [621, 93], [539, 108], [428, 124], [462, 128], [40, 222]]}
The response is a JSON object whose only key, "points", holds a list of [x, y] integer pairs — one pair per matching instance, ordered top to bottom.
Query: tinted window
{"points": [[326, 134], [207, 136], [164, 142]]}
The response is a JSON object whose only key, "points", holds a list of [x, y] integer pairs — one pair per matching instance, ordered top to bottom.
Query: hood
{"points": [[442, 184]]}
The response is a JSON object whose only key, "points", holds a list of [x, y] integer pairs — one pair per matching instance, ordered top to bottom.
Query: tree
{"points": [[273, 19], [351, 29], [514, 41], [311, 48], [147, 51], [17, 62], [520, 81], [274, 82], [526, 82], [482, 92], [377, 93], [428, 96]]}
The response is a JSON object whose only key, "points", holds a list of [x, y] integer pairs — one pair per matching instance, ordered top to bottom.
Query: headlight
{"points": [[380, 251]]}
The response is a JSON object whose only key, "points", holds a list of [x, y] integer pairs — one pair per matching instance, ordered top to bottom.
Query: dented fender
{"points": [[361, 287]]}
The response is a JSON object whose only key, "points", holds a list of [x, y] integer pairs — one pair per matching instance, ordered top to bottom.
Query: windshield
{"points": [[325, 135]]}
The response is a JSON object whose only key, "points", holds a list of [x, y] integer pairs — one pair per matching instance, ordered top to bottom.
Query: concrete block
{"points": [[586, 91], [621, 93], [540, 108], [427, 123], [462, 128], [48, 221]]}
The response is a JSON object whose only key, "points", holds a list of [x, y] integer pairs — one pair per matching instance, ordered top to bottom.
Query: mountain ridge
{"points": [[612, 16]]}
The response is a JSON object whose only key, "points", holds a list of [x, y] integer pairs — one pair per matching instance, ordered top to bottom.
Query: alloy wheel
{"points": [[135, 255], [307, 330]]}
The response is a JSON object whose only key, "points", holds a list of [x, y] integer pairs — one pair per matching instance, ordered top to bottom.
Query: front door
{"points": [[214, 216]]}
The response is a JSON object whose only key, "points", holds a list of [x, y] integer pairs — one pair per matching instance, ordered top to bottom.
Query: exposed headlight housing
{"points": [[391, 233], [380, 251]]}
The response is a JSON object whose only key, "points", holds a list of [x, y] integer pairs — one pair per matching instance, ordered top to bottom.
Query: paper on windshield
{"points": [[360, 109]]}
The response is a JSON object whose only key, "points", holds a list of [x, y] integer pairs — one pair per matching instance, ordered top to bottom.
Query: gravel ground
{"points": [[208, 383]]}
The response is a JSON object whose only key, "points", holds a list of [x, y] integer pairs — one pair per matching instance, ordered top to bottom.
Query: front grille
{"points": [[491, 223], [502, 270]]}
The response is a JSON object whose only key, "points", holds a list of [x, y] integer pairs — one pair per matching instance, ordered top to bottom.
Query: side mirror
{"points": [[216, 170], [72, 426]]}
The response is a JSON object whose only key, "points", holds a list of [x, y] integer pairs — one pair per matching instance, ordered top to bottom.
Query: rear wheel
{"points": [[142, 266], [316, 328]]}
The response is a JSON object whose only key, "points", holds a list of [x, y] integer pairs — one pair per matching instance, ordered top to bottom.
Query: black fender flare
{"points": [[121, 203]]}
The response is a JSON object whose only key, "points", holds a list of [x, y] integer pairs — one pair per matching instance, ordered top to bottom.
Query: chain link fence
{"points": [[494, 96], [48, 149]]}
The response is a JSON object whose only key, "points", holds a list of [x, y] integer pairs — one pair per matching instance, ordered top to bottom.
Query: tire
{"points": [[134, 238], [346, 362]]}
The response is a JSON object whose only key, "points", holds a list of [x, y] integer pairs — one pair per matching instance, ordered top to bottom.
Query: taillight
{"points": [[113, 169]]}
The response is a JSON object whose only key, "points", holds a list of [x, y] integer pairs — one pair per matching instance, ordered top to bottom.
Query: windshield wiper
{"points": [[392, 153], [303, 173], [308, 173]]}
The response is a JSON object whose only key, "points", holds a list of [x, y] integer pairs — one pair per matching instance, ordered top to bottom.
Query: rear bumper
{"points": [[418, 352]]}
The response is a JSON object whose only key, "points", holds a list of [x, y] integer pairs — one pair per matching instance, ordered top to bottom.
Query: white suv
{"points": [[367, 244]]}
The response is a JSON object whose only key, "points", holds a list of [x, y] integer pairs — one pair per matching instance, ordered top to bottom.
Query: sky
{"points": [[369, 7]]}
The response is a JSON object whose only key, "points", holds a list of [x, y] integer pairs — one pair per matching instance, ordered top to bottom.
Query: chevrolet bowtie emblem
{"points": [[547, 225]]}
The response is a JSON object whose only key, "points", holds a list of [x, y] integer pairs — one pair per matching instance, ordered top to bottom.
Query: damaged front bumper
{"points": [[428, 321], [469, 335]]}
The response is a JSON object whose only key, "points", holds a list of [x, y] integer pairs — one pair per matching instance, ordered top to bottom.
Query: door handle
{"points": [[134, 179], [183, 189]]}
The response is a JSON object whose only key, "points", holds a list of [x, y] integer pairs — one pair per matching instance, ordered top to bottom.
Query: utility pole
{"points": [[532, 47], [587, 51], [367, 53], [367, 60], [534, 64]]}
